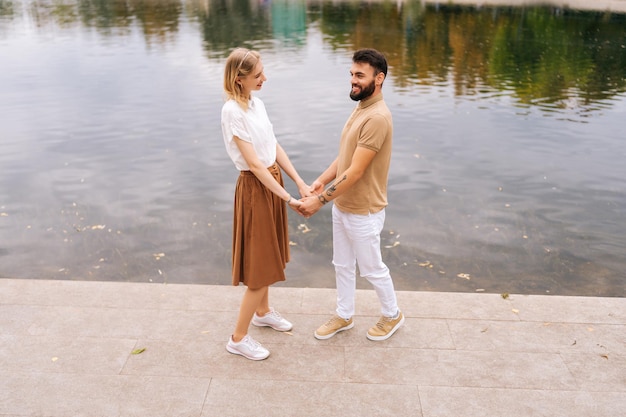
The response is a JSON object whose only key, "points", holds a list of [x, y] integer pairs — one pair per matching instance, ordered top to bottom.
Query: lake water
{"points": [[509, 149]]}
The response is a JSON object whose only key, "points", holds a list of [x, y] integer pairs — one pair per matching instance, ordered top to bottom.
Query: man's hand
{"points": [[316, 188], [305, 190], [309, 206]]}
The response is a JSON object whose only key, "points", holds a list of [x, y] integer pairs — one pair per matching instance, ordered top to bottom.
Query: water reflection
{"points": [[507, 172]]}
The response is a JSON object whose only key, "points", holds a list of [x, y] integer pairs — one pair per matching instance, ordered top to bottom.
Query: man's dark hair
{"points": [[371, 56]]}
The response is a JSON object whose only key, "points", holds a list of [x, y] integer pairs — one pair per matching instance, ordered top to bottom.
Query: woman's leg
{"points": [[251, 301], [264, 305]]}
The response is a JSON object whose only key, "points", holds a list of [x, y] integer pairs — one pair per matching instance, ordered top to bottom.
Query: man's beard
{"points": [[365, 92]]}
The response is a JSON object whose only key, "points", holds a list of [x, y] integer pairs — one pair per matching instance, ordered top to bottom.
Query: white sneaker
{"points": [[272, 319], [248, 348]]}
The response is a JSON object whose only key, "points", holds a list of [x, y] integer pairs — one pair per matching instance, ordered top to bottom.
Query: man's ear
{"points": [[380, 77]]}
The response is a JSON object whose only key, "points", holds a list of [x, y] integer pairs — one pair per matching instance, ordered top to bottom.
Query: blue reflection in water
{"points": [[112, 165]]}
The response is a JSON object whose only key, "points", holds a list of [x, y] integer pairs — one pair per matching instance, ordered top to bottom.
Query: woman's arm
{"points": [[290, 170], [261, 172]]}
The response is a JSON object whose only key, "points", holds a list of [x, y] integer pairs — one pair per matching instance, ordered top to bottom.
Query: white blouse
{"points": [[252, 126]]}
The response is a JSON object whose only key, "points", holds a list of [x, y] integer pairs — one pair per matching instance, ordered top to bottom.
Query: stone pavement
{"points": [[71, 349]]}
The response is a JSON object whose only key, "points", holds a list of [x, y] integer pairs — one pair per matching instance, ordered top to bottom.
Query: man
{"points": [[358, 189]]}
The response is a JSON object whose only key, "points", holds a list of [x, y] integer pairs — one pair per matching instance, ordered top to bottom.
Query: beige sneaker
{"points": [[333, 326], [385, 327]]}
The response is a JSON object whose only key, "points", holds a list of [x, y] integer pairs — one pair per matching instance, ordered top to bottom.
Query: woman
{"points": [[260, 242]]}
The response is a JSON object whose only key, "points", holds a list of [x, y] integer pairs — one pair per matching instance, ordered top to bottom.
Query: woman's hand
{"points": [[305, 190], [295, 205]]}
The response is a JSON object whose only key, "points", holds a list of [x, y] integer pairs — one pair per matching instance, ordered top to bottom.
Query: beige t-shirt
{"points": [[370, 126]]}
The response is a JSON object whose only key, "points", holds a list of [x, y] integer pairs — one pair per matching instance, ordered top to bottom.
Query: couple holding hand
{"points": [[356, 183]]}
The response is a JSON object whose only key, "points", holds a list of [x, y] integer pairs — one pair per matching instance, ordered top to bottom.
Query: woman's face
{"points": [[254, 80]]}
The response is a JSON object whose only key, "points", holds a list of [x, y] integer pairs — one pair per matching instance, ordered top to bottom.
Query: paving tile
{"points": [[120, 294], [284, 300], [319, 301], [455, 306], [552, 308], [16, 319], [110, 322], [415, 333], [515, 336], [65, 350], [64, 354], [205, 359], [458, 368], [598, 372], [64, 395], [308, 399], [498, 402]]}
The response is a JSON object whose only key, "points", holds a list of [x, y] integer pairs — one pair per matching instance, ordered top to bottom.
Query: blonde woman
{"points": [[260, 241]]}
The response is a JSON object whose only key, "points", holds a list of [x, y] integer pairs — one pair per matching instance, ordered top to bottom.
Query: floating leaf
{"points": [[504, 295], [138, 351]]}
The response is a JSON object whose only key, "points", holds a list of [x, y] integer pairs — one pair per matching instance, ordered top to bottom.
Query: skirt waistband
{"points": [[272, 168]]}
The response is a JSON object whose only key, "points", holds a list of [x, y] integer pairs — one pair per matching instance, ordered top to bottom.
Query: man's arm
{"points": [[360, 161], [325, 178]]}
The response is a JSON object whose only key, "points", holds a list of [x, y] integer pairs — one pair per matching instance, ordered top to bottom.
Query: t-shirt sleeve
{"points": [[236, 122], [373, 133]]}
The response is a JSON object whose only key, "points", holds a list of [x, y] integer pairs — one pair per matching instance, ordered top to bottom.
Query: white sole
{"points": [[275, 328], [388, 335], [328, 336], [236, 352]]}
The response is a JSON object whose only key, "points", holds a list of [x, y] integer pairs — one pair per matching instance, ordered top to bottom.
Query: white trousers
{"points": [[356, 240]]}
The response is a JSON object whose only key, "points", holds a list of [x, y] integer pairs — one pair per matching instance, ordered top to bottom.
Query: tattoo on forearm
{"points": [[331, 190]]}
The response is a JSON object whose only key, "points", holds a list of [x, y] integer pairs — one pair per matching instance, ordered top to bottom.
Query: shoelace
{"points": [[275, 314], [332, 320], [382, 321], [253, 344]]}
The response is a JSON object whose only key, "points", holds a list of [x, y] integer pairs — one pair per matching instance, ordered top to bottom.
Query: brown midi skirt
{"points": [[260, 238]]}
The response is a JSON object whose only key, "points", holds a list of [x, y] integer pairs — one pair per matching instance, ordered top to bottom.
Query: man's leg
{"points": [[365, 234], [344, 261]]}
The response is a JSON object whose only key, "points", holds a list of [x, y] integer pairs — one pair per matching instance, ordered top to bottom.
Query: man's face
{"points": [[363, 81]]}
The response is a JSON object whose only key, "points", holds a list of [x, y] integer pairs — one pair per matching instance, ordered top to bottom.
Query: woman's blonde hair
{"points": [[240, 63]]}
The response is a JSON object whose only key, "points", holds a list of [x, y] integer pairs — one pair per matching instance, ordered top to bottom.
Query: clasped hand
{"points": [[309, 203]]}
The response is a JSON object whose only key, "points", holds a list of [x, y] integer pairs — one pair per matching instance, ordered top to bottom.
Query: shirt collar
{"points": [[370, 100]]}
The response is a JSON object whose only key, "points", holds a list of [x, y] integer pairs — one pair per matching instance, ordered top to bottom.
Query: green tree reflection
{"points": [[230, 23], [544, 54], [550, 56]]}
